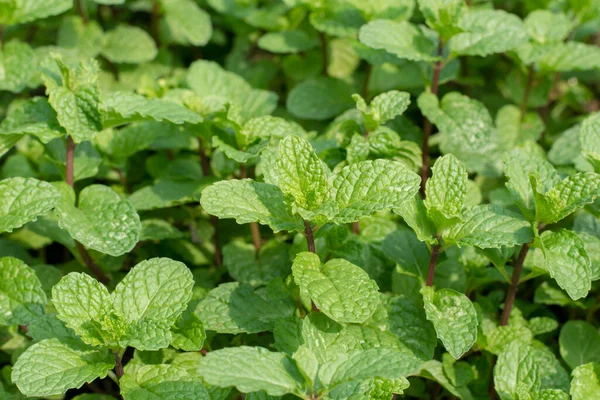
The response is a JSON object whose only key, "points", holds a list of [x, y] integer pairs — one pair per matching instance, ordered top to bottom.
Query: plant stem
{"points": [[81, 11], [324, 52], [530, 76], [545, 111], [427, 127], [204, 162], [356, 228], [254, 229], [310, 239], [435, 253], [85, 256], [512, 290], [118, 365]]}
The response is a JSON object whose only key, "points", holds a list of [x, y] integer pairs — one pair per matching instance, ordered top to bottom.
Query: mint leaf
{"points": [[442, 15], [187, 23], [402, 39], [293, 41], [128, 44], [18, 64], [319, 98], [34, 117], [302, 174], [370, 186], [446, 191], [23, 200], [250, 201], [102, 221], [567, 262], [340, 289], [22, 298], [453, 317], [578, 342], [50, 367], [516, 367], [275, 373], [161, 381], [586, 381]]}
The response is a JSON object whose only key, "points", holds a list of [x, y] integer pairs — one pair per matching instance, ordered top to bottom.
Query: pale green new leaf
{"points": [[23, 11], [443, 15], [187, 23], [545, 26], [487, 32], [399, 38], [293, 41], [129, 44], [18, 66], [319, 98], [122, 107], [383, 107], [34, 117], [301, 173], [366, 187], [446, 191], [568, 195], [23, 200], [250, 201], [414, 213], [102, 221], [490, 226], [567, 262], [341, 290], [22, 298], [82, 304], [454, 319], [188, 333], [579, 343], [371, 363], [51, 367], [516, 367], [251, 369], [161, 381], [586, 382]]}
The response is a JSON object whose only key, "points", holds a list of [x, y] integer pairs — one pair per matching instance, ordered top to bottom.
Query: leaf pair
{"points": [[303, 189]]}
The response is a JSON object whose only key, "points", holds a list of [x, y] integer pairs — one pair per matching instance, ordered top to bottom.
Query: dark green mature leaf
{"points": [[320, 98]]}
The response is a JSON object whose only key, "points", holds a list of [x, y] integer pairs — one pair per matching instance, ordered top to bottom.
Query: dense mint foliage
{"points": [[313, 199]]}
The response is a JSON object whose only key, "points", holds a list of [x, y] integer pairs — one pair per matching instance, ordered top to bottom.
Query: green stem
{"points": [[81, 11], [512, 290]]}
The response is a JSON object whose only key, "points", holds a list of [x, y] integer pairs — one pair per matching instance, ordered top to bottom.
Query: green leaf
{"points": [[23, 11], [443, 15], [186, 22], [545, 26], [487, 32], [83, 38], [402, 39], [293, 41], [129, 44], [570, 56], [18, 66], [208, 80], [76, 98], [319, 98], [121, 107], [383, 107], [34, 117], [589, 138], [302, 174], [367, 187], [446, 191], [166, 193], [568, 195], [23, 200], [250, 201], [414, 214], [102, 221], [489, 226], [567, 262], [245, 266], [155, 289], [341, 290], [22, 298], [82, 304], [236, 308], [454, 319], [408, 321], [188, 333], [579, 343], [372, 363], [51, 367], [516, 367], [275, 373], [161, 381], [586, 382]]}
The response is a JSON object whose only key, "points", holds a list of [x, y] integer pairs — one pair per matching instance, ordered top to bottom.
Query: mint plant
{"points": [[325, 200]]}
